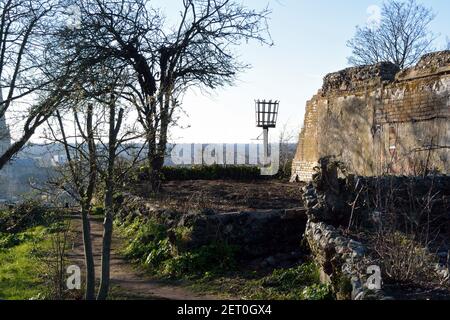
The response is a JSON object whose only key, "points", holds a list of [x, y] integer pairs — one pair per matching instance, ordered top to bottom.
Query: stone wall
{"points": [[378, 120], [348, 217], [256, 234]]}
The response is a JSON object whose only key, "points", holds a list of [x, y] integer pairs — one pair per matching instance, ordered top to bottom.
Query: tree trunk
{"points": [[156, 155], [156, 164], [85, 195], [109, 201], [106, 249], [88, 255]]}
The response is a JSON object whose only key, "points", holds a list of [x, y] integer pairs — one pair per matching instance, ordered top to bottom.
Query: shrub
{"points": [[213, 172], [98, 211], [26, 215], [182, 236], [9, 240], [145, 240], [150, 245], [161, 252], [402, 258], [212, 259], [286, 279], [317, 292]]}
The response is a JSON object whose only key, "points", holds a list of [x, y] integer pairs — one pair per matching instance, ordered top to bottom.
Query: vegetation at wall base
{"points": [[213, 172], [150, 246], [214, 267]]}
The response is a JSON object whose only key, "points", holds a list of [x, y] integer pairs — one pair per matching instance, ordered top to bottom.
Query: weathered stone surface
{"points": [[357, 78], [378, 121], [256, 234], [340, 259], [345, 260]]}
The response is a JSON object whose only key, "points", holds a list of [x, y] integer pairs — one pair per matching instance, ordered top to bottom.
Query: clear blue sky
{"points": [[310, 41]]}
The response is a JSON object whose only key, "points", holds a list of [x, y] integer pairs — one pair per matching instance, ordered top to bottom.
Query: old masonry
{"points": [[379, 120]]}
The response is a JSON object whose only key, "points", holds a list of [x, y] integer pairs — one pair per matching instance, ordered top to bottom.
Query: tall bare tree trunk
{"points": [[157, 153], [86, 194], [109, 201], [106, 248], [88, 255]]}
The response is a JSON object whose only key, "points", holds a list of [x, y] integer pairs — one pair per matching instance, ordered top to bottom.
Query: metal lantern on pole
{"points": [[266, 117]]}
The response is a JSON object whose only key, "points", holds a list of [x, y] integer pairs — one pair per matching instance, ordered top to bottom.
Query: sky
{"points": [[310, 41]]}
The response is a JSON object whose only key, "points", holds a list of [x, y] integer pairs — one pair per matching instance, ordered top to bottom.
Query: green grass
{"points": [[148, 244], [19, 268], [213, 268], [297, 283]]}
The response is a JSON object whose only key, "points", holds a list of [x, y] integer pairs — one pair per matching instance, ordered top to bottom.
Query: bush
{"points": [[214, 172], [98, 211], [25, 215], [146, 239], [8, 240], [150, 245], [161, 252], [212, 259], [403, 259], [286, 279], [317, 292]]}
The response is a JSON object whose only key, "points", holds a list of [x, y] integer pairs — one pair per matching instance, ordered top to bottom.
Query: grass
{"points": [[148, 244], [213, 269], [19, 275], [297, 283]]}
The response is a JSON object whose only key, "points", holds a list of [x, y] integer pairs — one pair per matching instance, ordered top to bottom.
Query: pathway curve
{"points": [[128, 283]]}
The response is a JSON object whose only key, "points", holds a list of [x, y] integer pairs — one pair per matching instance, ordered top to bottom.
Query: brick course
{"points": [[378, 121]]}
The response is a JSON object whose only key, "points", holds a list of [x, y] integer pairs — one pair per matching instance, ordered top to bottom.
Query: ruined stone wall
{"points": [[378, 120], [306, 156], [345, 225], [255, 234]]}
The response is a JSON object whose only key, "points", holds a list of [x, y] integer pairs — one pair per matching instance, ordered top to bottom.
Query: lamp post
{"points": [[266, 117]]}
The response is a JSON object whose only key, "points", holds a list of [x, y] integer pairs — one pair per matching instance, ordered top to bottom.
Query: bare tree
{"points": [[20, 21], [402, 36], [167, 60], [34, 86], [114, 124], [92, 155], [92, 161], [80, 178]]}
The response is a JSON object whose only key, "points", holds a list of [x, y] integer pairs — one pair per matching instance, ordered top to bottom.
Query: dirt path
{"points": [[126, 281]]}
